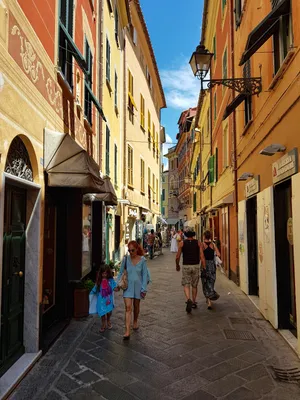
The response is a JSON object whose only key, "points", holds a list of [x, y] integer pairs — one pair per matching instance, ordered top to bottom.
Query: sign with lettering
{"points": [[286, 166], [252, 187], [132, 212]]}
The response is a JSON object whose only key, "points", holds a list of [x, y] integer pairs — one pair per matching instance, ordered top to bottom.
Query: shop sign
{"points": [[286, 166], [252, 187], [132, 212]]}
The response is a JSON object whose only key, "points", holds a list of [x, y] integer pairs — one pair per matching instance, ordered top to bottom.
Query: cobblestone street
{"points": [[227, 353]]}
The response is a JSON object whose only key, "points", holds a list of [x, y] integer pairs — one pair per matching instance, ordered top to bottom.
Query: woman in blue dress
{"points": [[138, 278]]}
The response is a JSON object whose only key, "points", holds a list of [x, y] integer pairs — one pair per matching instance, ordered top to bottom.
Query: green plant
{"points": [[88, 284]]}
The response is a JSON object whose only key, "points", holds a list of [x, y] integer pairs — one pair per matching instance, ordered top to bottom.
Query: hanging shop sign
{"points": [[286, 166], [252, 187], [132, 212]]}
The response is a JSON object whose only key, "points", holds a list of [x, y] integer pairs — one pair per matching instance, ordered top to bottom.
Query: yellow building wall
{"points": [[135, 136]]}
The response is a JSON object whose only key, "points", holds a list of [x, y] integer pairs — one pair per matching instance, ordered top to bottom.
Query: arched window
{"points": [[18, 161]]}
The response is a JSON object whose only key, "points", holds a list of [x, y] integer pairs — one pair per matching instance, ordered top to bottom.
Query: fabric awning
{"points": [[264, 30], [233, 105], [69, 165], [109, 197], [162, 220], [172, 221]]}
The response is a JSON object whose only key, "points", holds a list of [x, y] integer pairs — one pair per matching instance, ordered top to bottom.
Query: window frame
{"points": [[108, 60], [88, 82], [142, 112], [130, 165], [142, 175]]}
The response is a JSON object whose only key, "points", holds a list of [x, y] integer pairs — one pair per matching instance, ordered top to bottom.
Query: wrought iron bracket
{"points": [[248, 86]]}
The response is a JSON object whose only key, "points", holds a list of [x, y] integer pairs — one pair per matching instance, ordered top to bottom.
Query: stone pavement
{"points": [[227, 353]]}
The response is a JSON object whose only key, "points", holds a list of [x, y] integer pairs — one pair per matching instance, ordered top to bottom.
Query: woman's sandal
{"points": [[109, 325], [102, 329], [126, 337]]}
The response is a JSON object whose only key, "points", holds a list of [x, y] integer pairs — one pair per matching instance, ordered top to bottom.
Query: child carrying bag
{"points": [[123, 283]]}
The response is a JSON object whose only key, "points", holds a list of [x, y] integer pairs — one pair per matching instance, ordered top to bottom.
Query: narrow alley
{"points": [[228, 353]]}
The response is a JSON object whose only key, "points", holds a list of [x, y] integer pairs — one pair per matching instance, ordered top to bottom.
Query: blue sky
{"points": [[175, 29]]}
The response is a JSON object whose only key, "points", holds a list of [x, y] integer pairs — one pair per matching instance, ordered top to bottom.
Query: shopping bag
{"points": [[93, 304]]}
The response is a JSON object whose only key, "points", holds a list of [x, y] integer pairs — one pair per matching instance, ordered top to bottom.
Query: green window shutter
{"points": [[215, 47], [216, 166], [211, 170], [107, 171]]}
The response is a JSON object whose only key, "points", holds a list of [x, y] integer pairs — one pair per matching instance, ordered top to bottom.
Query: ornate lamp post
{"points": [[200, 63]]}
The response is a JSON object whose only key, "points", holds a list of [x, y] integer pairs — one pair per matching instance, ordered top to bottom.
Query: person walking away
{"points": [[160, 241], [150, 242], [192, 254], [208, 273], [138, 276], [103, 289]]}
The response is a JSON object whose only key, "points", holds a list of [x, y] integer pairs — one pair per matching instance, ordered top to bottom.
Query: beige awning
{"points": [[69, 165], [109, 197]]}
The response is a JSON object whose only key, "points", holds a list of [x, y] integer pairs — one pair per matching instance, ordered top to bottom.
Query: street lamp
{"points": [[200, 63]]}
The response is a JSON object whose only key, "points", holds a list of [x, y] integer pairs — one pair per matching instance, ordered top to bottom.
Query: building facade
{"points": [[217, 36], [143, 100], [49, 129], [267, 156], [165, 194], [173, 211]]}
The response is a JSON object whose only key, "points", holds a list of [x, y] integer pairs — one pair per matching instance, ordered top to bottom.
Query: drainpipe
{"points": [[100, 86], [125, 125], [236, 199]]}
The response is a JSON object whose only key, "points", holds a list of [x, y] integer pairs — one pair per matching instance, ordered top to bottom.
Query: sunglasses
{"points": [[131, 250]]}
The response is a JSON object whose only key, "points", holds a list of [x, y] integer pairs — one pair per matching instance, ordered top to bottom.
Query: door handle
{"points": [[20, 273]]}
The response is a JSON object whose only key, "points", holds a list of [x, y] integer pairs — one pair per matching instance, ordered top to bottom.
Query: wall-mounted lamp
{"points": [[200, 63], [272, 149], [245, 176]]}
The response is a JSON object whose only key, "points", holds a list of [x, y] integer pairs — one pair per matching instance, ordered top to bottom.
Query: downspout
{"points": [[100, 86], [124, 117], [235, 172]]}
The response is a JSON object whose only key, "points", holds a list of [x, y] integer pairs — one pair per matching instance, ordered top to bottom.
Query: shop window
{"points": [[86, 239]]}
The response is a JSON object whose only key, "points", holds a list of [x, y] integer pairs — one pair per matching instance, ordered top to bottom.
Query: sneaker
{"points": [[189, 305]]}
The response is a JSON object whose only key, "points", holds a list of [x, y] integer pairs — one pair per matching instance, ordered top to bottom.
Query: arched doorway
{"points": [[14, 248]]}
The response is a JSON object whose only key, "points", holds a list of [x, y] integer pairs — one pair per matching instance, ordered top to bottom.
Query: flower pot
{"points": [[81, 303]]}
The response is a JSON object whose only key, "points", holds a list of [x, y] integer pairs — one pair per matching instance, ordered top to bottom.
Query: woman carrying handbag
{"points": [[134, 270]]}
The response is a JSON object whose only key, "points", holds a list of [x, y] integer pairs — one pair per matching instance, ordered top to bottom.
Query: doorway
{"points": [[251, 211], [117, 238], [285, 257], [13, 274]]}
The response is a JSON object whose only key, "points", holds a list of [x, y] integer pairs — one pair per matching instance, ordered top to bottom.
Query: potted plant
{"points": [[81, 298]]}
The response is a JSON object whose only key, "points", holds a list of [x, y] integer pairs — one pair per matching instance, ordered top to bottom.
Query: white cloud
{"points": [[181, 87]]}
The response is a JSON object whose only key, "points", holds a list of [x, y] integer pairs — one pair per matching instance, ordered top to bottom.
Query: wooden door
{"points": [[12, 310]]}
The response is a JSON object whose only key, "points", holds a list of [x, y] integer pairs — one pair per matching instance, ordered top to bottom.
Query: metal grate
{"points": [[235, 320], [238, 335], [48, 363], [290, 375]]}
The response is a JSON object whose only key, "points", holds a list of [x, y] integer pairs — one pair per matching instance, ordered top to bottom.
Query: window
{"points": [[223, 4], [238, 9], [117, 26], [133, 34], [282, 40], [215, 47], [65, 49], [107, 60], [225, 73], [148, 77], [88, 83], [116, 91], [248, 100], [131, 102], [215, 106], [142, 112], [208, 123], [149, 130], [153, 139], [107, 146], [157, 146], [225, 147], [116, 164], [130, 165], [212, 167], [142, 175], [149, 182], [153, 186], [157, 194], [163, 194], [195, 202], [163, 211]]}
